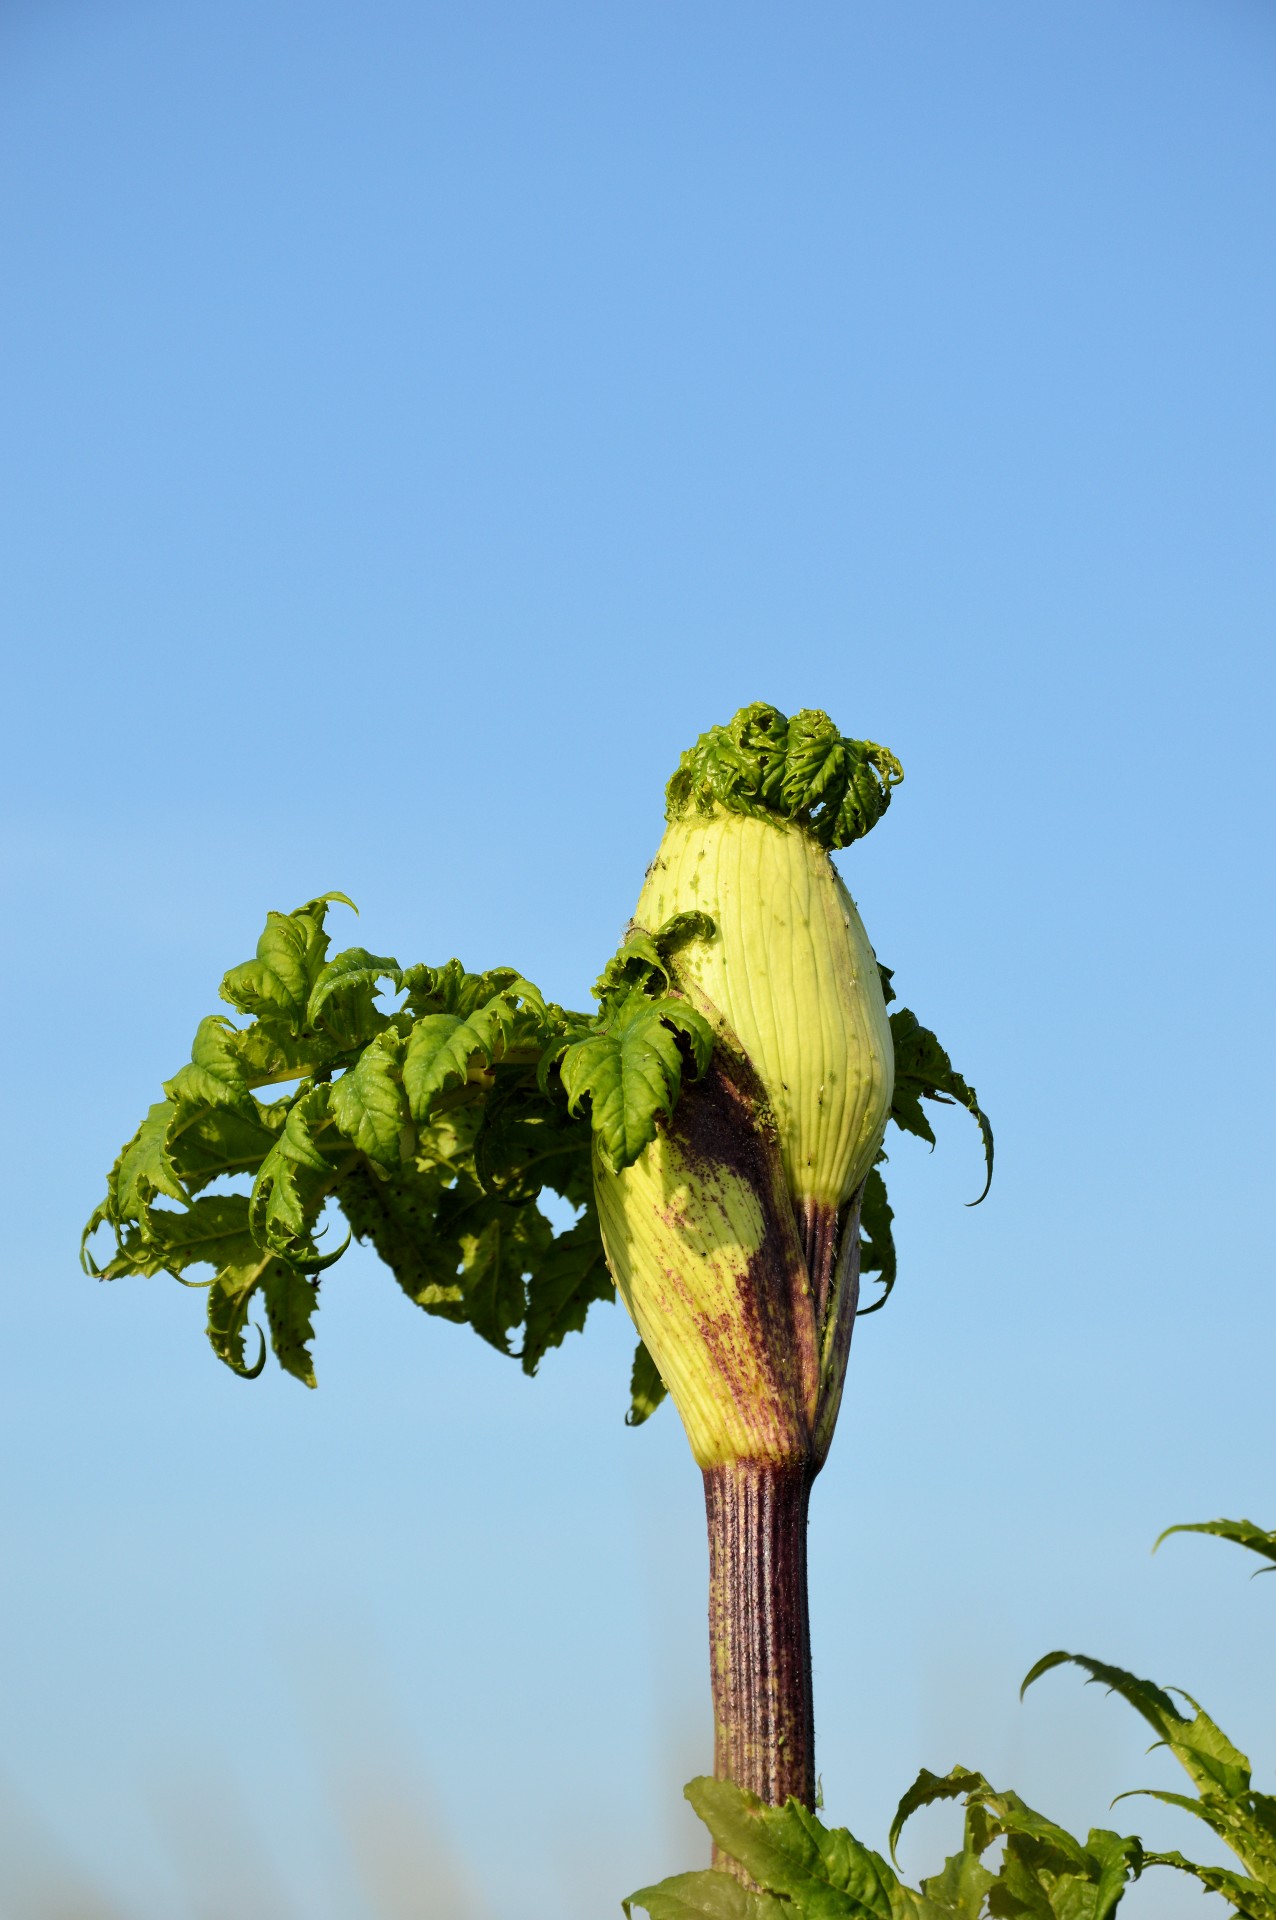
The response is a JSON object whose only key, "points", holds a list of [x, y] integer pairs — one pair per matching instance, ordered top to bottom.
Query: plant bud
{"points": [[790, 972], [734, 1237]]}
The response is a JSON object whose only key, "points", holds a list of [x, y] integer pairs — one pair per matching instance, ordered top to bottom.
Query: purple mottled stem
{"points": [[759, 1634]]}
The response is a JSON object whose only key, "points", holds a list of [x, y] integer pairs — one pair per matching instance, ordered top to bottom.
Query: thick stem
{"points": [[759, 1635]]}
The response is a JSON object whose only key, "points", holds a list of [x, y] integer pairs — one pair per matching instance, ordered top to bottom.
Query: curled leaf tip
{"points": [[800, 769], [246, 1372]]}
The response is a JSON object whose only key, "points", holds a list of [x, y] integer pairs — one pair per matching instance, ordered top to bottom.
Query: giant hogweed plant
{"points": [[716, 1123]]}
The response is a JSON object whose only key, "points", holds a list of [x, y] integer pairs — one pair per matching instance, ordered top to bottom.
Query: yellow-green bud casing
{"points": [[790, 971], [733, 1239], [702, 1243]]}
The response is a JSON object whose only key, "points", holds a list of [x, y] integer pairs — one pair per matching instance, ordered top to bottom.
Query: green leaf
{"points": [[801, 769], [290, 957], [645, 958], [349, 979], [446, 1049], [268, 1052], [630, 1071], [923, 1071], [214, 1076], [368, 1102], [434, 1128], [526, 1141], [207, 1143], [144, 1169], [294, 1178], [398, 1215], [212, 1231], [877, 1241], [494, 1259], [567, 1277], [229, 1299], [291, 1300], [646, 1388], [1242, 1532], [1156, 1706], [1218, 1770], [1045, 1870], [827, 1873], [961, 1888], [708, 1895], [1251, 1899]]}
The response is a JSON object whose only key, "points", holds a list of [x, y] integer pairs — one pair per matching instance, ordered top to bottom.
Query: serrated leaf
{"points": [[799, 769], [290, 956], [353, 972], [440, 1048], [268, 1052], [631, 1071], [923, 1071], [214, 1076], [368, 1103], [526, 1142], [207, 1143], [145, 1168], [285, 1204], [398, 1215], [212, 1231], [877, 1240], [493, 1262], [568, 1276], [229, 1299], [291, 1300], [646, 1388], [1243, 1533], [1218, 1770], [1010, 1814], [1045, 1871], [826, 1872], [961, 1888], [708, 1895], [1251, 1899]]}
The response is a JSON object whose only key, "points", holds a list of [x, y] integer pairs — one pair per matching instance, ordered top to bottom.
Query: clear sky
{"points": [[419, 422]]}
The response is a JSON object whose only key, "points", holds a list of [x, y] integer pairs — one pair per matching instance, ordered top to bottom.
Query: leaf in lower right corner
{"points": [[708, 1895]]}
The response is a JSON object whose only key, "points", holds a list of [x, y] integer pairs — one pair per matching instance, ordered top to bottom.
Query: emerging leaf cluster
{"points": [[799, 769], [434, 1125], [803, 1870]]}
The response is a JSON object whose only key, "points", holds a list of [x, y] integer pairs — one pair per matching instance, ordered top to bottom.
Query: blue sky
{"points": [[420, 423]]}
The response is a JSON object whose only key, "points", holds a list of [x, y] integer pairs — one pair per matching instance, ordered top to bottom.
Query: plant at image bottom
{"points": [[716, 1123], [1224, 1797], [791, 1864]]}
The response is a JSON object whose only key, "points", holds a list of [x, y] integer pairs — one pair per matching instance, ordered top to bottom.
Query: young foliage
{"points": [[799, 769], [434, 1127], [1224, 1797], [803, 1870]]}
